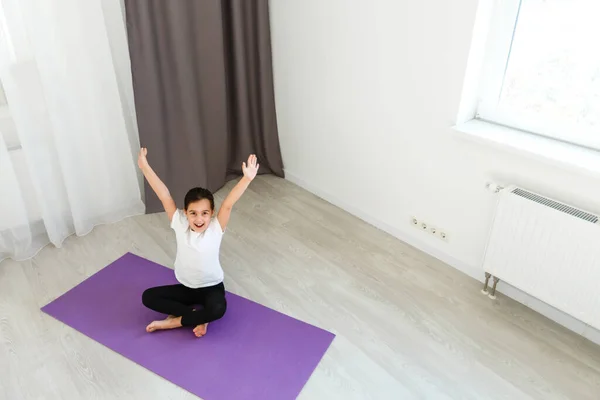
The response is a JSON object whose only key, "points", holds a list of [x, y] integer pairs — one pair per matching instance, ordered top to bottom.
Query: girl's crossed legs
{"points": [[178, 301]]}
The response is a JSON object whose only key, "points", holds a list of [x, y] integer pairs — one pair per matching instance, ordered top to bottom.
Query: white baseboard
{"points": [[394, 231], [476, 273]]}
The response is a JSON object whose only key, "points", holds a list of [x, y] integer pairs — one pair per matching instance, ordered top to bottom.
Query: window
{"points": [[541, 72]]}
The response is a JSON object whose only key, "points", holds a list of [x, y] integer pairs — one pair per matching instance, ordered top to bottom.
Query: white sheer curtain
{"points": [[68, 134]]}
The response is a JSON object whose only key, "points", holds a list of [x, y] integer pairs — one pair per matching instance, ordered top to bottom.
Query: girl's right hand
{"points": [[142, 160]]}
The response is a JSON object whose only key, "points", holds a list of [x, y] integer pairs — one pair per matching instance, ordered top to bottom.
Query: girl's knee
{"points": [[148, 296], [217, 311]]}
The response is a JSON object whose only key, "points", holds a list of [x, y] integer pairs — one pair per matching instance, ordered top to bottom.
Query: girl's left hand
{"points": [[251, 168]]}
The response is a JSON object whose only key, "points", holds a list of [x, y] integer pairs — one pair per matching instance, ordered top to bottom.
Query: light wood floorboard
{"points": [[407, 326]]}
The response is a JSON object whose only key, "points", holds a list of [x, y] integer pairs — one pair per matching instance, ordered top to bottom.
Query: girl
{"points": [[197, 267]]}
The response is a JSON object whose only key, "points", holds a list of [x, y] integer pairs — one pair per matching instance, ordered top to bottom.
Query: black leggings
{"points": [[179, 301]]}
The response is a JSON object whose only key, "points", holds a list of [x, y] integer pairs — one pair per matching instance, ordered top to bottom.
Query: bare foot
{"points": [[168, 323], [200, 330]]}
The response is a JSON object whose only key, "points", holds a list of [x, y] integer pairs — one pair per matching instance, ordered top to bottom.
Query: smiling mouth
{"points": [[198, 225]]}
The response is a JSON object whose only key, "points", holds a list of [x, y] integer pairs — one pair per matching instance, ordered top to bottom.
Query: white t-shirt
{"points": [[197, 261]]}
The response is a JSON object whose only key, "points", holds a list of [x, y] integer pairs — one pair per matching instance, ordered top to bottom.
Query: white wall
{"points": [[366, 94]]}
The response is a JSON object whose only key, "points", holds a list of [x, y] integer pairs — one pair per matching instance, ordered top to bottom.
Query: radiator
{"points": [[547, 249]]}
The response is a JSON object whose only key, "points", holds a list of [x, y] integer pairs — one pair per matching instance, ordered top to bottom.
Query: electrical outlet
{"points": [[431, 229]]}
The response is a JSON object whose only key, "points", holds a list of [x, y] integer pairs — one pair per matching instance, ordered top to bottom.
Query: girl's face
{"points": [[199, 214]]}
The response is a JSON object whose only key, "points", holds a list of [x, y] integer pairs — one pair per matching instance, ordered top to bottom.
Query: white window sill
{"points": [[544, 149]]}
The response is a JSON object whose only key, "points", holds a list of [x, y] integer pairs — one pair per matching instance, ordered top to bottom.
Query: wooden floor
{"points": [[407, 326]]}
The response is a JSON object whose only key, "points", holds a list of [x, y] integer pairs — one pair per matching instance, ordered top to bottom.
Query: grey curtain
{"points": [[203, 86]]}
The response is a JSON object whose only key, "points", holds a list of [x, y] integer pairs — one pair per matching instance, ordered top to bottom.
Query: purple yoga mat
{"points": [[253, 352]]}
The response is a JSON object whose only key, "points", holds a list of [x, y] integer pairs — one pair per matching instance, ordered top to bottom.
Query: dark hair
{"points": [[197, 194]]}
